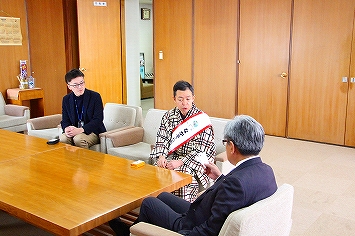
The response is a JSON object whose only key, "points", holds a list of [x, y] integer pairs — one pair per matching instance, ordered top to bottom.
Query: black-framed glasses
{"points": [[81, 84], [225, 141]]}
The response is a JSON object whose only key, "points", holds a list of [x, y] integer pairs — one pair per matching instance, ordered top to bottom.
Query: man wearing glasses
{"points": [[82, 113], [249, 182]]}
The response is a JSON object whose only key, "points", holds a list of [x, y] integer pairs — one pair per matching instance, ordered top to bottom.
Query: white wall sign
{"points": [[100, 4]]}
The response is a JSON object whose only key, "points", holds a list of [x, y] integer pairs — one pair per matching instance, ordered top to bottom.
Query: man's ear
{"points": [[234, 149]]}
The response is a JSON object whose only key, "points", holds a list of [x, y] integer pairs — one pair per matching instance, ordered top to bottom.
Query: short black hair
{"points": [[73, 74], [182, 86]]}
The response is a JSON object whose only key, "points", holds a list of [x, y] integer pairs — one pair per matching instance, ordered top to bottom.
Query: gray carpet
{"points": [[11, 226]]}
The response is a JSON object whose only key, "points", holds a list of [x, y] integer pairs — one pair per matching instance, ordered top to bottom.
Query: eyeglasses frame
{"points": [[81, 84]]}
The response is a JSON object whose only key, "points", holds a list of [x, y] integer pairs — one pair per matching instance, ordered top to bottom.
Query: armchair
{"points": [[116, 116], [13, 117], [46, 127], [135, 143], [270, 216]]}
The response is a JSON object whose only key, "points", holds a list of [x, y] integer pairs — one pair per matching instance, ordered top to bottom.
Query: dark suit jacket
{"points": [[93, 112], [248, 183]]}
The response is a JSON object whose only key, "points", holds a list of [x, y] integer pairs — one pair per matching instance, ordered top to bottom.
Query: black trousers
{"points": [[166, 211]]}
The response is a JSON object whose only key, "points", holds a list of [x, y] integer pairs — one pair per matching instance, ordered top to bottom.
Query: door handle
{"points": [[82, 69], [283, 75]]}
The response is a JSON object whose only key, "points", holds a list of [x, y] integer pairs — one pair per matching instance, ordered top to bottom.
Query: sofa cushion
{"points": [[118, 116], [10, 121], [151, 125], [45, 133], [138, 151]]}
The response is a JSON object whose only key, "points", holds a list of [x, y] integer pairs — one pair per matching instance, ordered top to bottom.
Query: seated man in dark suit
{"points": [[82, 113], [250, 181]]}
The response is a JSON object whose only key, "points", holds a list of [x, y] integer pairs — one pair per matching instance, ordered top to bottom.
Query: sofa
{"points": [[13, 117], [136, 143]]}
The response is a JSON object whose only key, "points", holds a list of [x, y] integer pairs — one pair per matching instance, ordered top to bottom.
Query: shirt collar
{"points": [[244, 160]]}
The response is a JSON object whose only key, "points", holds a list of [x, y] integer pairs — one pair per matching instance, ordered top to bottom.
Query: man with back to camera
{"points": [[82, 113], [249, 182]]}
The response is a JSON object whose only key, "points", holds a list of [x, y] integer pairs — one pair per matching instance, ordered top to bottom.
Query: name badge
{"points": [[80, 124]]}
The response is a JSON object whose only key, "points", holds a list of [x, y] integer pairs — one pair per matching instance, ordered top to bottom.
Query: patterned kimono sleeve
{"points": [[161, 147]]}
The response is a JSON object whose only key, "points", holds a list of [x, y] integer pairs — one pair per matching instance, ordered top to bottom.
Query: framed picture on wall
{"points": [[145, 13]]}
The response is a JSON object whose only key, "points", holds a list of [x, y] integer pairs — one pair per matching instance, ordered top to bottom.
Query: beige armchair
{"points": [[116, 116], [13, 117], [46, 127], [135, 143], [268, 217]]}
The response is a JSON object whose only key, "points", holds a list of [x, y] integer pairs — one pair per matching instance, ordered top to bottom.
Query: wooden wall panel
{"points": [[172, 36], [47, 49], [321, 50], [11, 55], [215, 56]]}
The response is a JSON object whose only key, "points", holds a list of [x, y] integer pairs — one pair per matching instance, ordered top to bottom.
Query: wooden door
{"points": [[173, 41], [321, 47], [100, 51], [215, 56], [264, 56]]}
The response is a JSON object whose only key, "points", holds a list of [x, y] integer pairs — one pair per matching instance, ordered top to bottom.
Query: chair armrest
{"points": [[15, 110], [44, 122], [104, 134], [126, 137], [103, 143], [145, 229]]}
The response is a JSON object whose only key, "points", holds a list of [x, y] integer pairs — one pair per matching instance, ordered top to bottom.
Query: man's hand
{"points": [[71, 131], [174, 164], [212, 170]]}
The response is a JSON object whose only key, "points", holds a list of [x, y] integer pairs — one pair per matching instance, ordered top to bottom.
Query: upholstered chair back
{"points": [[2, 105]]}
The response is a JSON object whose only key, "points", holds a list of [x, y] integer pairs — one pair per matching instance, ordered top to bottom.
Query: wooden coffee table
{"points": [[68, 190]]}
